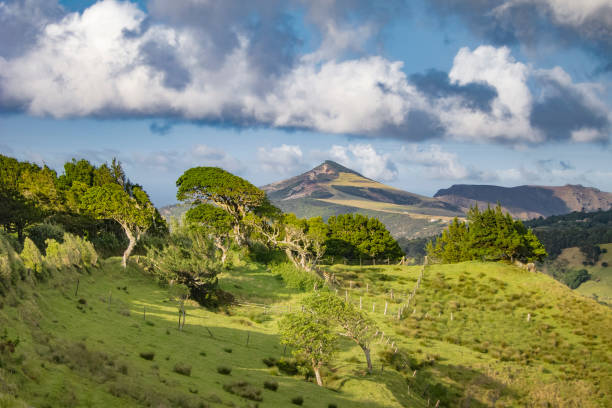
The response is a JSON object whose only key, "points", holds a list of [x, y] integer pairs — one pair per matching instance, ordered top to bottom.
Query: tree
{"points": [[234, 194], [134, 213], [215, 223], [356, 235], [487, 235], [187, 258], [354, 324], [310, 337]]}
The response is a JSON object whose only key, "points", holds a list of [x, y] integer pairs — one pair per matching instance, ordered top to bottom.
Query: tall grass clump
{"points": [[73, 252], [31, 256], [11, 266], [296, 278]]}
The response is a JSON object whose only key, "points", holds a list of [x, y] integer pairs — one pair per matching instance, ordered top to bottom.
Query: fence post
{"points": [[374, 261], [77, 288], [367, 288], [346, 296], [359, 302], [386, 304], [373, 307], [144, 313], [248, 338]]}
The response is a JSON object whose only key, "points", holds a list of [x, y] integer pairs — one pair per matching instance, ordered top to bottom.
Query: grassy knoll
{"points": [[600, 285], [97, 349]]}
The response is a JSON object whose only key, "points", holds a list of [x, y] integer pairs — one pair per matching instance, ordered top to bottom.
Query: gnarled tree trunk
{"points": [[133, 239], [366, 351], [316, 367]]}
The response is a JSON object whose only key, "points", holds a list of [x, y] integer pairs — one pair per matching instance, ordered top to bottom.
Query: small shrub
{"points": [[604, 264], [296, 278], [82, 301], [149, 323], [227, 349], [203, 353], [147, 355], [269, 361], [289, 367], [182, 369], [224, 370], [271, 385], [244, 390], [299, 400], [332, 405]]}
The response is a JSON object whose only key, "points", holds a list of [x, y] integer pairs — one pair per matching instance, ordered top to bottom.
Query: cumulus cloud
{"points": [[586, 24], [207, 62], [365, 159], [284, 160], [172, 161], [438, 164]]}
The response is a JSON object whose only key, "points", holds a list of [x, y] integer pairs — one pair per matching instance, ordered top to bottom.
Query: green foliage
{"points": [[233, 194], [134, 212], [576, 229], [39, 233], [355, 235], [488, 235], [74, 251], [591, 253], [31, 256], [188, 259], [11, 266], [295, 277], [575, 278], [310, 337], [182, 369], [224, 370], [271, 385], [244, 390]]}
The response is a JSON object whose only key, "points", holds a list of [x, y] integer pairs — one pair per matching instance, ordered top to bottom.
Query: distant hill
{"points": [[332, 189], [526, 202]]}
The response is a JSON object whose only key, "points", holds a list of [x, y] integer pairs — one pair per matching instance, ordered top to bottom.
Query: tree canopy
{"points": [[232, 193], [134, 213], [356, 235], [487, 235]]}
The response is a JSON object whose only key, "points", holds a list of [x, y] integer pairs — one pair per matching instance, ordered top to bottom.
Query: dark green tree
{"points": [[233, 194], [134, 213], [214, 223]]}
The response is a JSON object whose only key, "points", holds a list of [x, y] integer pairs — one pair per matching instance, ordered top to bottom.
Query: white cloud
{"points": [[570, 12], [88, 65], [284, 160], [366, 160], [171, 161], [438, 163]]}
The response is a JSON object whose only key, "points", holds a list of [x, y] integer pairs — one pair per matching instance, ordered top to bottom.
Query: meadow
{"points": [[475, 334]]}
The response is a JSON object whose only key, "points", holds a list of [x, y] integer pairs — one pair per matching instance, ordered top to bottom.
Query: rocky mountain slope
{"points": [[332, 189], [527, 202]]}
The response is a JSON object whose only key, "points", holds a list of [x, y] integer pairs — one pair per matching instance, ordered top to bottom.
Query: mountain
{"points": [[332, 189], [528, 202]]}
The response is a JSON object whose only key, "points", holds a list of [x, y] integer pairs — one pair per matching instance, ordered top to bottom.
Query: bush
{"points": [[40, 233], [74, 251], [31, 256], [604, 264], [11, 266], [296, 278], [575, 278], [227, 349], [148, 355], [269, 361], [182, 369], [224, 370], [271, 385], [244, 389], [299, 400], [332, 405]]}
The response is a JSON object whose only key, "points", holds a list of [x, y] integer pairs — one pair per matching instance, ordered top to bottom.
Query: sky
{"points": [[417, 94]]}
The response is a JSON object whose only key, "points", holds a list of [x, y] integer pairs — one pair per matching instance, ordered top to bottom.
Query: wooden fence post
{"points": [[359, 302], [386, 304]]}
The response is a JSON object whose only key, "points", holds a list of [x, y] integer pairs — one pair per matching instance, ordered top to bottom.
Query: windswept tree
{"points": [[232, 193], [135, 213], [213, 222], [353, 323], [310, 337]]}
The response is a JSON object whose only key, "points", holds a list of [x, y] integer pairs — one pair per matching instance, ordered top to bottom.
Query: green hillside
{"points": [[85, 349]]}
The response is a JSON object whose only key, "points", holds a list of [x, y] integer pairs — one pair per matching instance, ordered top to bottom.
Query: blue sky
{"points": [[417, 94]]}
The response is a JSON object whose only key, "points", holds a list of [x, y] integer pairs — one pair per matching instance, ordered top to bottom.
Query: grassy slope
{"points": [[601, 283], [487, 353]]}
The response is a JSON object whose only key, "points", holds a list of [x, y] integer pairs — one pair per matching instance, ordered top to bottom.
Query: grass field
{"points": [[600, 285], [89, 349]]}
